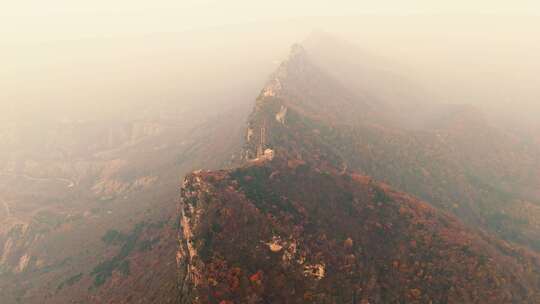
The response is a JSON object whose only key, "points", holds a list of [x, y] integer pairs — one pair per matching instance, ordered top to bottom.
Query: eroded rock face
{"points": [[280, 116], [16, 243], [188, 260]]}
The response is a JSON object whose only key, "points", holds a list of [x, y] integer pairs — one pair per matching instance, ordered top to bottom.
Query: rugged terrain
{"points": [[351, 186], [87, 209], [304, 219], [283, 231]]}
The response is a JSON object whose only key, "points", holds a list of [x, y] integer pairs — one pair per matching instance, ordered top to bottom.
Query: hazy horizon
{"points": [[61, 19], [499, 61]]}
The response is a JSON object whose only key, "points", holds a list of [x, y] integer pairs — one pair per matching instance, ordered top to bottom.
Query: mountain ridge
{"points": [[457, 161], [303, 190]]}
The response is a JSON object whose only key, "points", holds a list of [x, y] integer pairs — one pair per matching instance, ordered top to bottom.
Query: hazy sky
{"points": [[27, 21], [79, 52]]}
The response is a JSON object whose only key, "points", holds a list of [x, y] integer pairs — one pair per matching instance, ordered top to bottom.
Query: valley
{"points": [[56, 208]]}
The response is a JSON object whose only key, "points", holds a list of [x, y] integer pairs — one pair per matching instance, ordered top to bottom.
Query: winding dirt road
{"points": [[69, 183], [6, 206]]}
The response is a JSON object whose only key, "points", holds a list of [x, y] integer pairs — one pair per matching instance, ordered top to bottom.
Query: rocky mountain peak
{"points": [[291, 67]]}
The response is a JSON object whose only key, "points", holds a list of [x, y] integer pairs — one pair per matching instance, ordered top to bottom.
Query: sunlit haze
{"points": [[235, 151]]}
